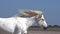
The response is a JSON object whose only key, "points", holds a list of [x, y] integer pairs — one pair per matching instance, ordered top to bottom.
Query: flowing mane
{"points": [[29, 13]]}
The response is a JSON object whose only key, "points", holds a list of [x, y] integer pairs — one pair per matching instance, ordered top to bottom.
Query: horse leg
{"points": [[19, 32], [25, 32]]}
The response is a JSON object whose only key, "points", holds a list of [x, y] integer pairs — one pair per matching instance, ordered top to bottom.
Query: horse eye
{"points": [[42, 19]]}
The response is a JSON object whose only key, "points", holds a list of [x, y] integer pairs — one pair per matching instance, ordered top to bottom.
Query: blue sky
{"points": [[50, 8]]}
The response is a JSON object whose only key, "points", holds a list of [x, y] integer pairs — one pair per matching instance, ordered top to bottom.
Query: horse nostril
{"points": [[45, 28]]}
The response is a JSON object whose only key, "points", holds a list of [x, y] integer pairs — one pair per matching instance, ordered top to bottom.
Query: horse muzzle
{"points": [[45, 28]]}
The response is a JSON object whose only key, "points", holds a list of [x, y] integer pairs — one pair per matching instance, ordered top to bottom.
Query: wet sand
{"points": [[34, 31], [43, 32]]}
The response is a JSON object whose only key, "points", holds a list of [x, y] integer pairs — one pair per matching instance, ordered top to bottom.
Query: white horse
{"points": [[23, 21]]}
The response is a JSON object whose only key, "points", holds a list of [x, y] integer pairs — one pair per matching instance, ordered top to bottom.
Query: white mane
{"points": [[28, 13]]}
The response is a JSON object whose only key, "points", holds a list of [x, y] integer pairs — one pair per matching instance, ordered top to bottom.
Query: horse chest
{"points": [[21, 22]]}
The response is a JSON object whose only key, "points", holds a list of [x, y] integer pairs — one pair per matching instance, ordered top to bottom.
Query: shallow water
{"points": [[33, 32], [43, 32]]}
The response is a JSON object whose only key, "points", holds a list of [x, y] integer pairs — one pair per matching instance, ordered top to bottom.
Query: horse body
{"points": [[22, 23], [8, 24]]}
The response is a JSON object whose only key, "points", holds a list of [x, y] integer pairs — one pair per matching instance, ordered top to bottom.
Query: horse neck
{"points": [[30, 21]]}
